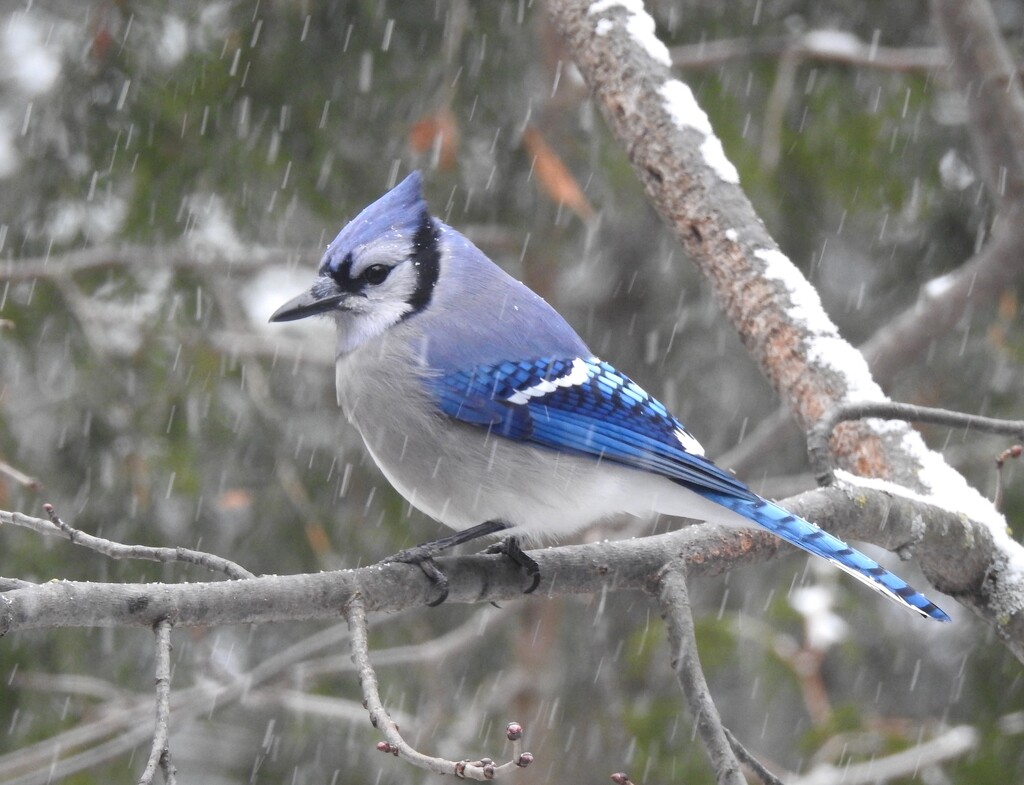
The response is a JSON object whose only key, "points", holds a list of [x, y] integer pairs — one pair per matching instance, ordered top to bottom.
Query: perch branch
{"points": [[884, 516], [964, 558]]}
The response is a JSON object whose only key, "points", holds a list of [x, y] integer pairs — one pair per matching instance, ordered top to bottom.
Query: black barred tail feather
{"points": [[815, 540]]}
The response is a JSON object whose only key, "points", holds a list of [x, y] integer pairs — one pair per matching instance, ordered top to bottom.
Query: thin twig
{"points": [[836, 46], [984, 69], [775, 110], [178, 255], [944, 302], [819, 434], [1011, 452], [20, 477], [116, 550], [13, 584], [674, 599], [473, 632], [69, 684], [309, 705], [126, 720], [952, 744], [160, 752], [746, 758], [483, 769], [54, 770]]}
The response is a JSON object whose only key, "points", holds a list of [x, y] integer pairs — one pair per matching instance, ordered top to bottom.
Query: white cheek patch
{"points": [[368, 316], [579, 374], [688, 443]]}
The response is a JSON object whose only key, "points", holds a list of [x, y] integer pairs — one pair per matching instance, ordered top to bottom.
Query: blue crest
{"points": [[399, 212]]}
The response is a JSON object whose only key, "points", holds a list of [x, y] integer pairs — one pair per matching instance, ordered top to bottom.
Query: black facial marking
{"points": [[426, 261], [342, 273]]}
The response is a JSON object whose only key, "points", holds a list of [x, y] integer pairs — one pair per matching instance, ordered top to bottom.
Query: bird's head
{"points": [[380, 269]]}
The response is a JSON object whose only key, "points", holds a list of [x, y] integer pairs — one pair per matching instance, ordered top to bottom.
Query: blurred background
{"points": [[170, 174]]}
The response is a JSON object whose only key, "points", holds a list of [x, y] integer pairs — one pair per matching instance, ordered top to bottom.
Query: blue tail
{"points": [[819, 542]]}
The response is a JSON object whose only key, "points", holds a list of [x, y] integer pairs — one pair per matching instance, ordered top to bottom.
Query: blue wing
{"points": [[582, 406], [585, 406]]}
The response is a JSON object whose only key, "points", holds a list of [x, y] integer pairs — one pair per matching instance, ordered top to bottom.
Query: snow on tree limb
{"points": [[785, 330]]}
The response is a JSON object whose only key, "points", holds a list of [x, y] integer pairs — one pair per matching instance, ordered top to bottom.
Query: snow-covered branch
{"points": [[775, 310]]}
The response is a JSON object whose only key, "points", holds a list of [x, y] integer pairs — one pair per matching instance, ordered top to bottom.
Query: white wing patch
{"points": [[579, 374], [688, 443]]}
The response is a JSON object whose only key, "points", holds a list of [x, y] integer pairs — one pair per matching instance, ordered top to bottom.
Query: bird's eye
{"points": [[376, 274]]}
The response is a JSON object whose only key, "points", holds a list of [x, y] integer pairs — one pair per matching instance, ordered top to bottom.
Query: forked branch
{"points": [[482, 769]]}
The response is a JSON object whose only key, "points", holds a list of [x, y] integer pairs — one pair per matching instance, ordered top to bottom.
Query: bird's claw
{"points": [[511, 548], [424, 559]]}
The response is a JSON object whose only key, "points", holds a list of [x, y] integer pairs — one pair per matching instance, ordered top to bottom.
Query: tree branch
{"points": [[833, 46], [985, 72], [988, 80], [181, 255], [944, 302], [776, 312], [818, 436], [1009, 453], [20, 477], [116, 550], [959, 564], [10, 584], [674, 600], [459, 640], [126, 720], [950, 745], [160, 753], [744, 757], [484, 769]]}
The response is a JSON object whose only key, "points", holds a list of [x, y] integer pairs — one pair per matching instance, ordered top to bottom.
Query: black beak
{"points": [[308, 304]]}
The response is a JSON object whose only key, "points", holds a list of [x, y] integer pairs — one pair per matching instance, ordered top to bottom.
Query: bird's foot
{"points": [[511, 548], [423, 557]]}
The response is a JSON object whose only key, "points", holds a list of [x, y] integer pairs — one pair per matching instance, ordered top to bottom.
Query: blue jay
{"points": [[486, 410]]}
